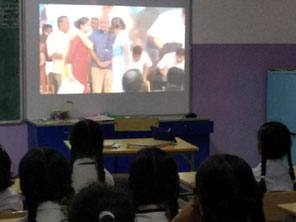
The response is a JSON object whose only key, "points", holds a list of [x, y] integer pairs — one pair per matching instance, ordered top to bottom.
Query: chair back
{"points": [[271, 201]]}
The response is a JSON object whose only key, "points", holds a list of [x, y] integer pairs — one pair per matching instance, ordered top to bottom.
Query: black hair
{"points": [[61, 18], [80, 22], [117, 22], [45, 27], [137, 50], [180, 52], [175, 79], [132, 81], [87, 140], [274, 142], [5, 173], [44, 176], [154, 179], [227, 190], [94, 199]]}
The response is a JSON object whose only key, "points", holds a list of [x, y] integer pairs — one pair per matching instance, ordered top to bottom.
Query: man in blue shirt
{"points": [[101, 67]]}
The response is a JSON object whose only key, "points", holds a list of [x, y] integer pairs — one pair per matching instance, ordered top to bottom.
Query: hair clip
{"points": [[262, 177], [106, 214]]}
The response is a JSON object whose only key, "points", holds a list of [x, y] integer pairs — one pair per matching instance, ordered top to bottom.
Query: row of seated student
{"points": [[226, 189]]}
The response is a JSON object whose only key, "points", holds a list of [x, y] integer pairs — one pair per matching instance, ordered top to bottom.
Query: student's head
{"points": [[63, 23], [95, 23], [104, 23], [83, 24], [117, 24], [46, 29], [137, 53], [180, 55], [175, 79], [132, 81], [87, 140], [274, 142], [5, 174], [44, 176], [154, 179], [226, 190], [97, 203]]}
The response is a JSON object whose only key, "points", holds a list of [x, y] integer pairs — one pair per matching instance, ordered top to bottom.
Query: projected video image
{"points": [[111, 49]]}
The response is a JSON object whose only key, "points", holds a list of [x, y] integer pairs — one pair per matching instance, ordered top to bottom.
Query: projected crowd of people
{"points": [[118, 49]]}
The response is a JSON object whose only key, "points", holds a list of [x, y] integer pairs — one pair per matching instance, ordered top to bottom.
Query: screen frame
{"points": [[155, 103]]}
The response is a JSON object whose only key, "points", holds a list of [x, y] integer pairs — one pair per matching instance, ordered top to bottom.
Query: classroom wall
{"points": [[234, 43], [14, 138]]}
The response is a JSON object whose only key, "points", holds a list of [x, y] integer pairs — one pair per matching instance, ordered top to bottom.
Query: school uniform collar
{"points": [[84, 161], [49, 205], [150, 208]]}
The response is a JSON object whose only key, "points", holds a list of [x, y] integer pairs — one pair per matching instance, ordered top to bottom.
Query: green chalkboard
{"points": [[10, 88]]}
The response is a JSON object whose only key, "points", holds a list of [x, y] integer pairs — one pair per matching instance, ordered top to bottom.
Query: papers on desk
{"points": [[99, 117], [155, 143], [111, 145]]}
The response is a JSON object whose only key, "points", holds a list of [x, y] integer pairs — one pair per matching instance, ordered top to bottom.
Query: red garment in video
{"points": [[78, 57]]}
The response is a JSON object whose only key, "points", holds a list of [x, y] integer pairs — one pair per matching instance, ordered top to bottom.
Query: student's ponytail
{"points": [[97, 136], [100, 168], [291, 169], [262, 185], [173, 208], [32, 210]]}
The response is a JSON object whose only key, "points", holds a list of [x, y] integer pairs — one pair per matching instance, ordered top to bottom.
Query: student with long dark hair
{"points": [[86, 141], [274, 144], [45, 181], [154, 182], [226, 191], [9, 199], [98, 203]]}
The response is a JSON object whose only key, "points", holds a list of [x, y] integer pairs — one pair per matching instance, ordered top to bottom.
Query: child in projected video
{"points": [[120, 53], [77, 58], [141, 61]]}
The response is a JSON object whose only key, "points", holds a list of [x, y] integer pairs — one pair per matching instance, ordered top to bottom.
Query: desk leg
{"points": [[190, 158]]}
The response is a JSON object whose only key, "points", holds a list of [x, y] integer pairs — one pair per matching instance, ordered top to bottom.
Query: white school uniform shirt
{"points": [[57, 42], [144, 60], [168, 61], [84, 173], [277, 176], [10, 200], [50, 211], [157, 216]]}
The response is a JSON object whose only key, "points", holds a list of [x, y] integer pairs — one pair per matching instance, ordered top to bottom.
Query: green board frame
{"points": [[10, 62]]}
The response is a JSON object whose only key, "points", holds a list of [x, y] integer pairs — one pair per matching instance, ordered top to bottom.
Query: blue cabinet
{"points": [[281, 101]]}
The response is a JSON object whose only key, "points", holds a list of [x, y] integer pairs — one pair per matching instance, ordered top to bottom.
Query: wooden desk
{"points": [[196, 131], [181, 147], [187, 180], [289, 208], [13, 216]]}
